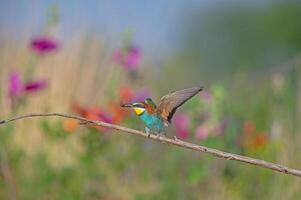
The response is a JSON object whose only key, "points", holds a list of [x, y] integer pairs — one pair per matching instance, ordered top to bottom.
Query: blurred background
{"points": [[85, 57]]}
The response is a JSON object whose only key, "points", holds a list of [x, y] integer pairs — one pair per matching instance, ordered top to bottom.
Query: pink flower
{"points": [[42, 45], [128, 58], [132, 60], [15, 84], [34, 86], [17, 87], [181, 122], [202, 132], [182, 134]]}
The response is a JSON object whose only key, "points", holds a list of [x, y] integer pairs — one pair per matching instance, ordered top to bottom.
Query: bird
{"points": [[156, 118]]}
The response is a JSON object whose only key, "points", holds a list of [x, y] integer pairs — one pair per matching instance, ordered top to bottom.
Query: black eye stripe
{"points": [[138, 105]]}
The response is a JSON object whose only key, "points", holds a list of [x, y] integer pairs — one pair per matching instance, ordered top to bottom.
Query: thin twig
{"points": [[165, 140]]}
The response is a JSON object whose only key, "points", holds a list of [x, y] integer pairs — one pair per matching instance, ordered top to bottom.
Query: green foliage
{"points": [[243, 36], [53, 130]]}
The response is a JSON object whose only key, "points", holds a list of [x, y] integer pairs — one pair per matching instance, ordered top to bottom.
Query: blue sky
{"points": [[153, 21]]}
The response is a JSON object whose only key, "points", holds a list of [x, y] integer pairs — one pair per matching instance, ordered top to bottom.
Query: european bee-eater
{"points": [[156, 117]]}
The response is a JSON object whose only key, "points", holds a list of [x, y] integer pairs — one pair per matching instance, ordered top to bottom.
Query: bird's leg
{"points": [[147, 130], [161, 134]]}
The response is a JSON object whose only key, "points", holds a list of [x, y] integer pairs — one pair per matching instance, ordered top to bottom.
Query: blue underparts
{"points": [[153, 122]]}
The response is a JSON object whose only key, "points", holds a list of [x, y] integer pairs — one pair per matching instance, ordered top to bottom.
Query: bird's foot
{"points": [[147, 130], [161, 135], [175, 138]]}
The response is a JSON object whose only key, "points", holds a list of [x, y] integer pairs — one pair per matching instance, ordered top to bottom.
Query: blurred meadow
{"points": [[86, 57]]}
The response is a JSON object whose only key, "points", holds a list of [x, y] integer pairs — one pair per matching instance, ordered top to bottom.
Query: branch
{"points": [[175, 141]]}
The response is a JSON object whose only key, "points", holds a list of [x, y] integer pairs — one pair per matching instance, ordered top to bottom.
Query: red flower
{"points": [[126, 94], [94, 113], [118, 113], [251, 138], [260, 140]]}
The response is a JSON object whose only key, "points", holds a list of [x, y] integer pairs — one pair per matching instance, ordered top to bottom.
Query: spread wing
{"points": [[170, 102]]}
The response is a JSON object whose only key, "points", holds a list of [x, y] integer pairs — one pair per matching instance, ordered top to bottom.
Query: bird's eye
{"points": [[139, 105]]}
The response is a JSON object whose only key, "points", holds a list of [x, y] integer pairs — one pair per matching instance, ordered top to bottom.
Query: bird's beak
{"points": [[126, 105]]}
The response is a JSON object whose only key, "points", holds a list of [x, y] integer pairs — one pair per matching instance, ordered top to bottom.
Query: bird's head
{"points": [[142, 106], [138, 107]]}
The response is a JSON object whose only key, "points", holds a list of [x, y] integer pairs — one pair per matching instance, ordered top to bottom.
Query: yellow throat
{"points": [[139, 111]]}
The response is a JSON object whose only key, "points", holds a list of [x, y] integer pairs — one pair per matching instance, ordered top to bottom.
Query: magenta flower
{"points": [[42, 45], [128, 58], [132, 59], [15, 84], [34, 86], [16, 87], [181, 122], [202, 132], [182, 134]]}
